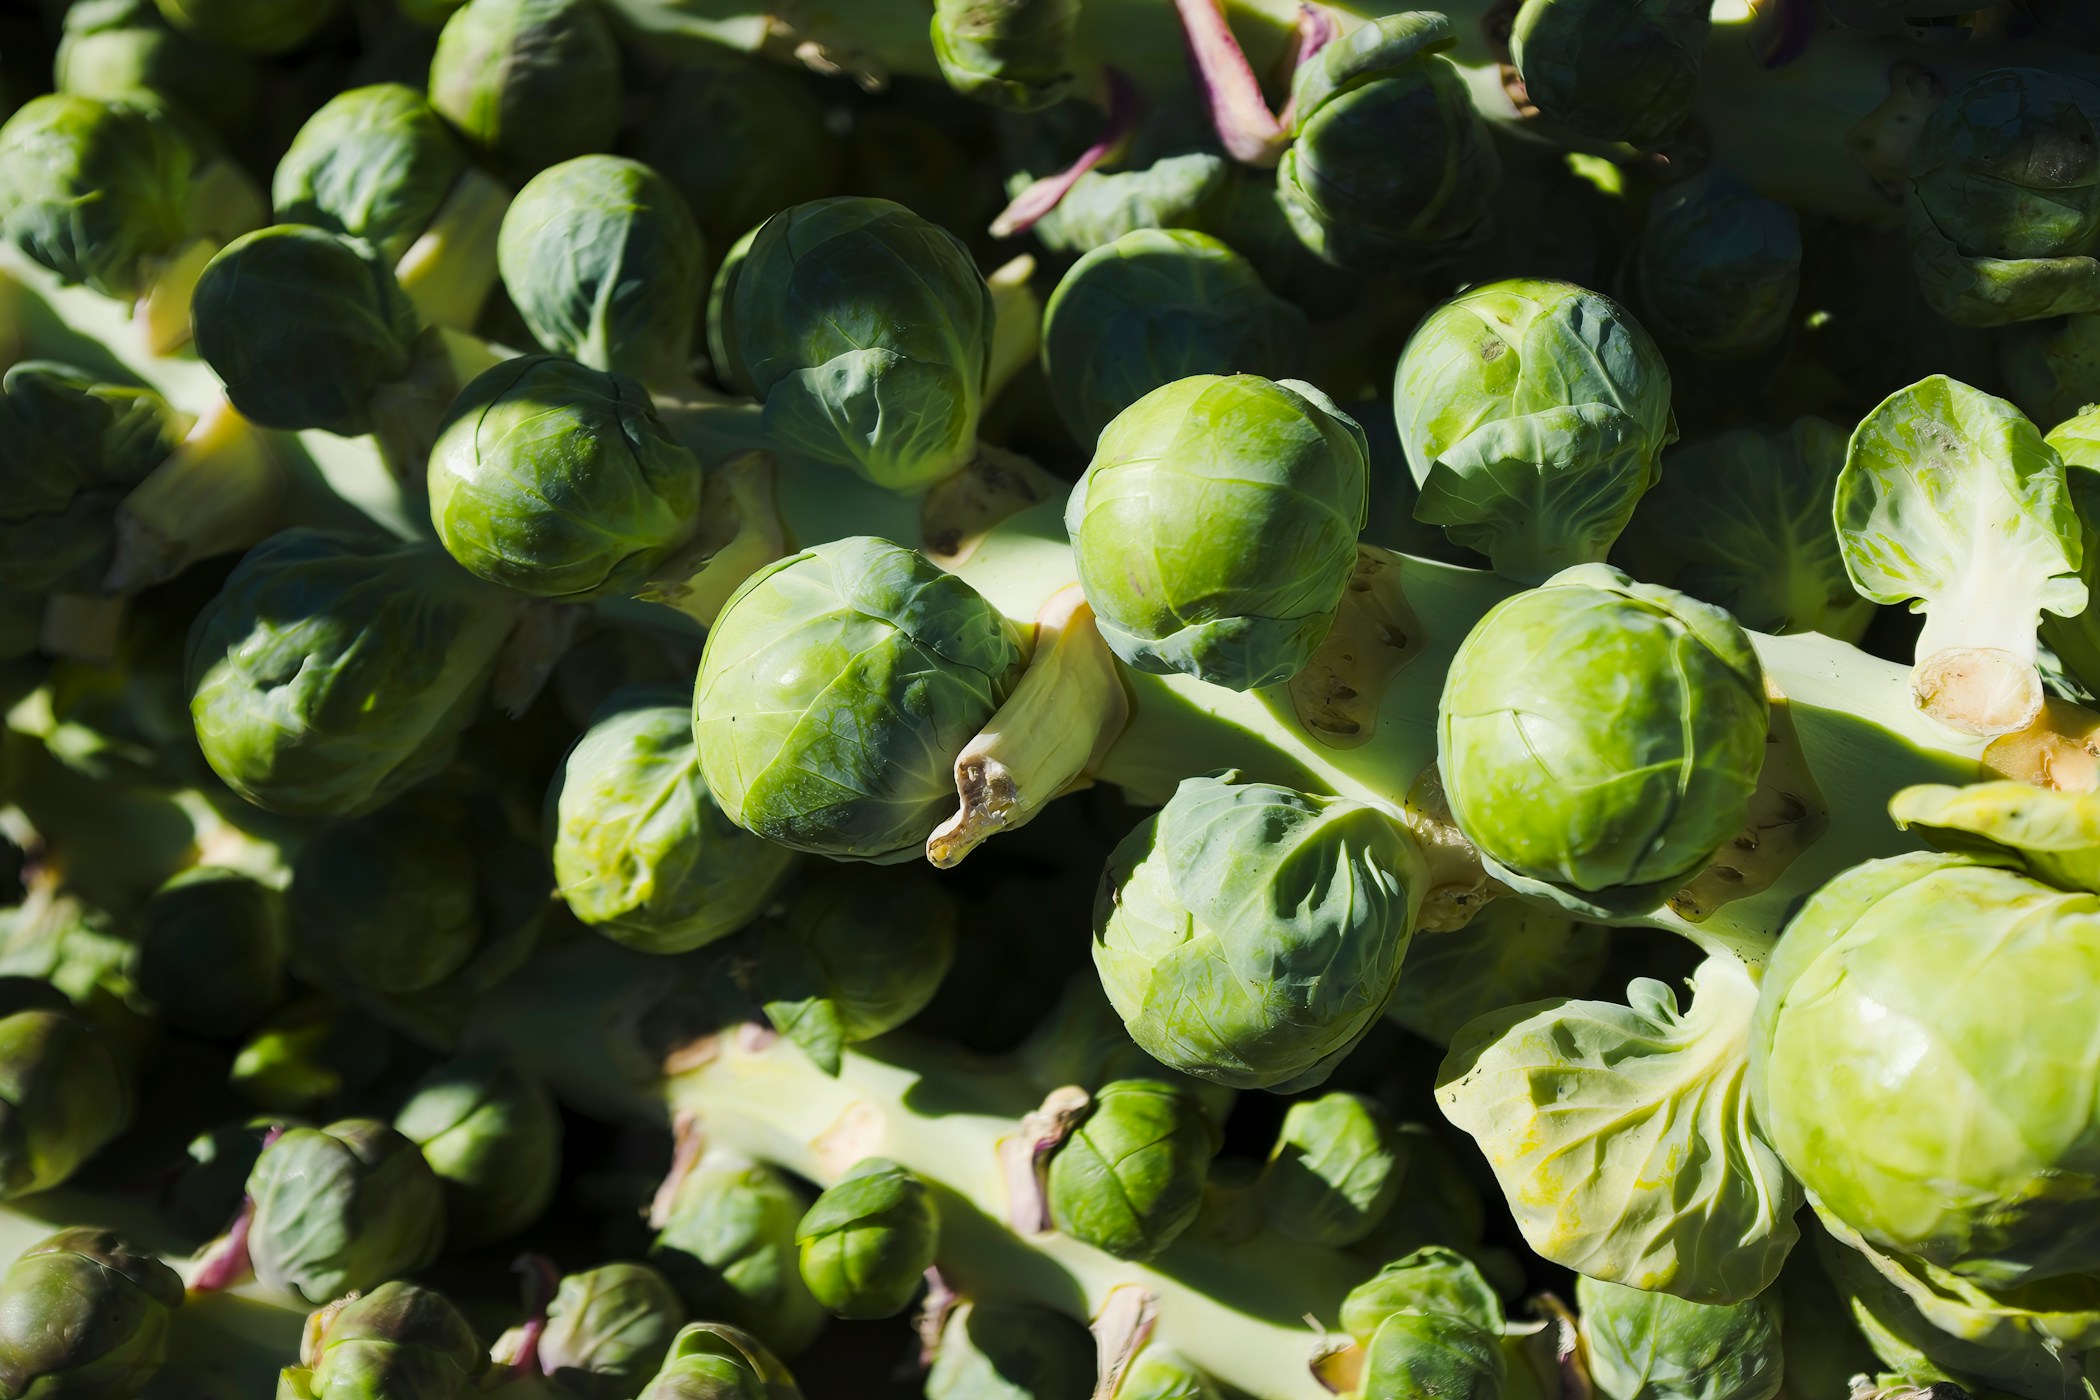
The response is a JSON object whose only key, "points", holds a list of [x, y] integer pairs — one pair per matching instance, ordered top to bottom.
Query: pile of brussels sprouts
{"points": [[1050, 699]]}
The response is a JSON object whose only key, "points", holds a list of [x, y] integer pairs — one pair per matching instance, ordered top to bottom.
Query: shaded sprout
{"points": [[251, 26], [125, 50], [1015, 54], [1618, 70], [528, 82], [374, 163], [98, 192], [1718, 267], [1153, 307], [2052, 368], [1278, 475], [837, 688], [642, 851], [386, 903], [1249, 935], [212, 952], [1512, 952], [64, 1095], [493, 1136], [1334, 1172], [868, 1241], [728, 1247], [84, 1312], [1428, 1324], [608, 1330], [399, 1341], [1651, 1346], [1011, 1351], [710, 1361]]}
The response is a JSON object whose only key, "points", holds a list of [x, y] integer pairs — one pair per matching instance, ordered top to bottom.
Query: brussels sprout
{"points": [[251, 26], [125, 50], [1015, 54], [1618, 70], [529, 82], [740, 138], [1389, 152], [374, 163], [98, 192], [2002, 199], [603, 260], [1719, 267], [1153, 307], [305, 328], [856, 365], [2052, 368], [1532, 414], [71, 449], [1276, 473], [559, 480], [1951, 501], [1742, 520], [837, 688], [1599, 739], [642, 851], [386, 903], [1250, 935], [211, 952], [1511, 952], [853, 955], [309, 1054], [1895, 1085], [64, 1094], [1573, 1103], [492, 1134], [1334, 1172], [1130, 1178], [344, 1207], [868, 1241], [728, 1247], [84, 1313], [1428, 1324], [608, 1330], [397, 1342], [1651, 1346], [1011, 1351], [709, 1361], [1161, 1375]]}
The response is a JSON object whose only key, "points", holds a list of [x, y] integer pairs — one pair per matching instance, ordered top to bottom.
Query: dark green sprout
{"points": [[251, 26], [1015, 54], [1618, 70], [528, 82], [374, 163], [98, 192], [386, 903], [212, 952], [84, 1313]]}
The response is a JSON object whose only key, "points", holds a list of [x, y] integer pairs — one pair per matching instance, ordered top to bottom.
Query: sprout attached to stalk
{"points": [[251, 26], [125, 50], [1012, 54], [1617, 70], [528, 82], [1718, 267], [1279, 477], [1951, 501], [64, 1095], [493, 1135], [1335, 1170], [1130, 1177], [341, 1208], [726, 1241], [868, 1241], [84, 1312], [1426, 1324], [601, 1336], [399, 1340], [1651, 1346], [712, 1361]]}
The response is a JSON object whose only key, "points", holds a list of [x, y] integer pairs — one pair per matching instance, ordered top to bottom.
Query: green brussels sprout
{"points": [[251, 26], [125, 50], [1015, 54], [1618, 70], [528, 82], [740, 137], [1389, 153], [374, 163], [98, 192], [2002, 198], [603, 260], [1718, 267], [1153, 307], [305, 328], [856, 365], [2052, 368], [1533, 415], [71, 449], [1279, 477], [558, 480], [1951, 501], [1742, 520], [333, 673], [836, 690], [1599, 739], [642, 851], [385, 903], [1250, 935], [1513, 951], [212, 952], [851, 956], [1888, 978], [311, 1053], [64, 1095], [493, 1135], [1334, 1172], [1130, 1178], [342, 1208], [869, 1240], [728, 1247], [84, 1313], [1428, 1324], [608, 1330], [397, 1342], [1651, 1346], [1011, 1351], [709, 1361], [1161, 1375]]}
